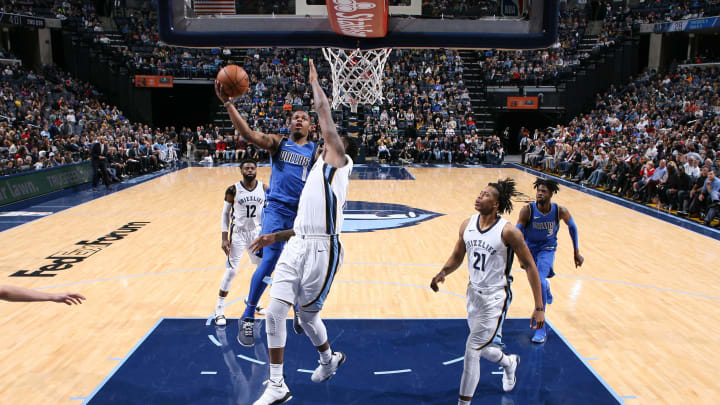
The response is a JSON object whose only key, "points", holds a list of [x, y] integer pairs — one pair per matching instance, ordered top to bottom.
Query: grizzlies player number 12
{"points": [[251, 210]]}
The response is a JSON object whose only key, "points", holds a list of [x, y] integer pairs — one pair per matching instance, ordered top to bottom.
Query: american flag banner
{"points": [[215, 6]]}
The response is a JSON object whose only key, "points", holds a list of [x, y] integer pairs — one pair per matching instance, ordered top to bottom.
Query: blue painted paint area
{"points": [[380, 172], [52, 203], [644, 209], [364, 216], [165, 368]]}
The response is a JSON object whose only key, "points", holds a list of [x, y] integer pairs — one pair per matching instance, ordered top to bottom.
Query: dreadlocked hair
{"points": [[551, 185], [506, 190]]}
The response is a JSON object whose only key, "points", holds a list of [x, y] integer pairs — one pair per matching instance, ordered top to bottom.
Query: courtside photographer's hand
{"points": [[68, 298]]}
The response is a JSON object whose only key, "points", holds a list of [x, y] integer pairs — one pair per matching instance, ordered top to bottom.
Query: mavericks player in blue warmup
{"points": [[291, 160], [540, 221]]}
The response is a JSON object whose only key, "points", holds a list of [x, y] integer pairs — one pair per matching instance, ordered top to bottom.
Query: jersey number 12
{"points": [[250, 211], [479, 257]]}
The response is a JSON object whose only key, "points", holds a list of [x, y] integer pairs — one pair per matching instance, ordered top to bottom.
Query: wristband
{"points": [[227, 103], [540, 309]]}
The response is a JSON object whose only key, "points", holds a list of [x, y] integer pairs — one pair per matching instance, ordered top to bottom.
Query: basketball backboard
{"points": [[501, 24]]}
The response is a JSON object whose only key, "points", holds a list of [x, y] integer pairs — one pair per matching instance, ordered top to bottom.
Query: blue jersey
{"points": [[290, 167], [541, 229]]}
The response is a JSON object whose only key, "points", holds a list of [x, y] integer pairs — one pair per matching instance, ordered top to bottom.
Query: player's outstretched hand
{"points": [[313, 73], [220, 92], [261, 242], [579, 259], [440, 278], [68, 298], [537, 320]]}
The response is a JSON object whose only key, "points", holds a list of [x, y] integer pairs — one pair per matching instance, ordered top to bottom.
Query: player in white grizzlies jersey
{"points": [[242, 207], [489, 242], [313, 255]]}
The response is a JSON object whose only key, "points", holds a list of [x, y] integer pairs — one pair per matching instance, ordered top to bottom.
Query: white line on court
{"points": [[250, 359], [445, 363], [406, 370]]}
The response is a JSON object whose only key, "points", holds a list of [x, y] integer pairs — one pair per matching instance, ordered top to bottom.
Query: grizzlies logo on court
{"points": [[363, 216]]}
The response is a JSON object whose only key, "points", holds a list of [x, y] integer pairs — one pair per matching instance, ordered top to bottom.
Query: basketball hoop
{"points": [[356, 75]]}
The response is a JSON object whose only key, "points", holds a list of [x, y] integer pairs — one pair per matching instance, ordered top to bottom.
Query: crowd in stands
{"points": [[459, 8], [657, 11], [547, 66], [425, 116], [48, 119], [657, 139]]}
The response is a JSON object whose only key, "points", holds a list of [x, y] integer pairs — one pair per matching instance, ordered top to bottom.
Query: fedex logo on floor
{"points": [[82, 250]]}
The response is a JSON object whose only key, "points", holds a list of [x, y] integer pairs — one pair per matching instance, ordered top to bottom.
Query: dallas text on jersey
{"points": [[294, 158], [549, 226]]}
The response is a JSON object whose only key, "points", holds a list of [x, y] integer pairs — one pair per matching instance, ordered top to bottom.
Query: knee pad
{"points": [[227, 279], [275, 323], [313, 326], [492, 353], [471, 373]]}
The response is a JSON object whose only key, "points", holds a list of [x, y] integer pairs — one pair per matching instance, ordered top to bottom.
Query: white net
{"points": [[356, 76]]}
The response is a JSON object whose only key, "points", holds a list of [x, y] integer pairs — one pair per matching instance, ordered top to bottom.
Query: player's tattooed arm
{"points": [[230, 194], [227, 207]]}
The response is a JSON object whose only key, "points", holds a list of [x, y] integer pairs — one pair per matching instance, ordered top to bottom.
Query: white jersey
{"points": [[247, 207], [320, 210], [489, 259]]}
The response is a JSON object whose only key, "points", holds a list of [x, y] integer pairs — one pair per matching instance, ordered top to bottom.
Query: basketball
{"points": [[234, 80]]}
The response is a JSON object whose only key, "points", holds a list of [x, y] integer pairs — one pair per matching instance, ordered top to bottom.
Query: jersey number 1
{"points": [[250, 211], [478, 258]]}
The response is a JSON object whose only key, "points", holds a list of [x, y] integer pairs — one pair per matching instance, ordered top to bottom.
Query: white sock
{"points": [[220, 307], [325, 356], [504, 361], [276, 372], [461, 402]]}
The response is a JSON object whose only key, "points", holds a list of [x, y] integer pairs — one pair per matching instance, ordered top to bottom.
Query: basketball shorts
{"points": [[277, 217], [239, 242], [544, 260], [306, 269], [486, 310]]}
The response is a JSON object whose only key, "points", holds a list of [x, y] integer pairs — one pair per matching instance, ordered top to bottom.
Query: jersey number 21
{"points": [[478, 258]]}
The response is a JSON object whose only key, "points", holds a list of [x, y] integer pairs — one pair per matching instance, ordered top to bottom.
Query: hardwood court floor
{"points": [[644, 305]]}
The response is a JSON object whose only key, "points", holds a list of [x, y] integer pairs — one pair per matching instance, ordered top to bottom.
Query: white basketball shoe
{"points": [[323, 372], [509, 379], [275, 393]]}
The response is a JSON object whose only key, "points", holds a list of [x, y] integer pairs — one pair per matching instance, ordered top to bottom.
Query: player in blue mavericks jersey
{"points": [[291, 160], [539, 222]]}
